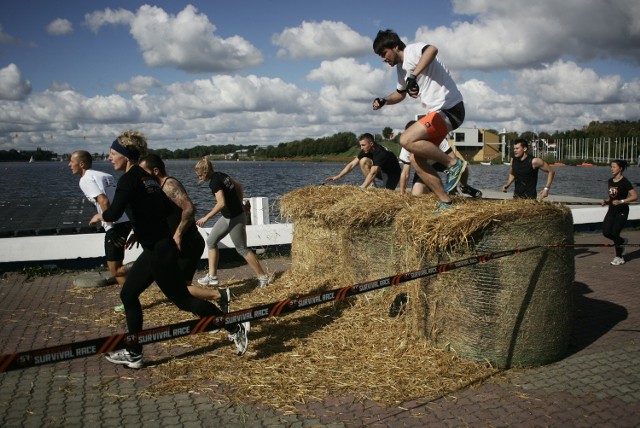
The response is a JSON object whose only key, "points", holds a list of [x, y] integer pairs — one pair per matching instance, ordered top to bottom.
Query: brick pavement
{"points": [[597, 384]]}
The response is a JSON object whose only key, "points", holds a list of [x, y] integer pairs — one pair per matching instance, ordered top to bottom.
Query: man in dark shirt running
{"points": [[375, 161], [524, 171]]}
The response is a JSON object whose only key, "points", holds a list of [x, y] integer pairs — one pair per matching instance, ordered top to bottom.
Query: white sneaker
{"points": [[617, 261], [209, 280], [263, 281], [240, 338], [129, 359]]}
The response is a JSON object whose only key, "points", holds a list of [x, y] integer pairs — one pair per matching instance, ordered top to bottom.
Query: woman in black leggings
{"points": [[621, 193], [147, 206]]}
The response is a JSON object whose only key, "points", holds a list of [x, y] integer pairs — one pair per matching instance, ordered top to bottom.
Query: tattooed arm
{"points": [[177, 193]]}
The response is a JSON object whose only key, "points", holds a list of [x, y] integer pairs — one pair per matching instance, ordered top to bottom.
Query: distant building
{"points": [[476, 144], [238, 154]]}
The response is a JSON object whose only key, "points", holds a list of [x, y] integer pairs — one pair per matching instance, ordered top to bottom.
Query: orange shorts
{"points": [[436, 127]]}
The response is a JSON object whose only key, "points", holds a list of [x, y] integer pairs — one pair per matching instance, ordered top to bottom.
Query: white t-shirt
{"points": [[438, 91], [404, 153], [95, 183]]}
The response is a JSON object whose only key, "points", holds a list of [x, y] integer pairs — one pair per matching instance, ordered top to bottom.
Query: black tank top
{"points": [[526, 178], [175, 216]]}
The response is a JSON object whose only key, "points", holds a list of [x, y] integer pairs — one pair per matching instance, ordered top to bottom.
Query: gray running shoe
{"points": [[617, 261], [208, 280], [264, 280], [240, 338], [129, 359]]}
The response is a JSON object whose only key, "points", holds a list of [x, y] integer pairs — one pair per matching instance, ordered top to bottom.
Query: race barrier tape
{"points": [[86, 348]]}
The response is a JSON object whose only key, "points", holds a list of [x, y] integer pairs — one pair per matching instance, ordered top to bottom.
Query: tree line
{"points": [[595, 129], [339, 144], [26, 155]]}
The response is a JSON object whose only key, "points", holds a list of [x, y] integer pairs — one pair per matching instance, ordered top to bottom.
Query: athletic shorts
{"points": [[436, 126], [389, 181], [114, 241]]}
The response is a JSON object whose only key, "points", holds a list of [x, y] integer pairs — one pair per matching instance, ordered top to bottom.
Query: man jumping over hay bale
{"points": [[421, 74], [375, 162], [524, 171]]}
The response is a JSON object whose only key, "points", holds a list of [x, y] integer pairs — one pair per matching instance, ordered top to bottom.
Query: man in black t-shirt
{"points": [[375, 161], [524, 171]]}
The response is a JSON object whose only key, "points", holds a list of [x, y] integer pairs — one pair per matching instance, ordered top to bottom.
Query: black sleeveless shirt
{"points": [[526, 178], [175, 216]]}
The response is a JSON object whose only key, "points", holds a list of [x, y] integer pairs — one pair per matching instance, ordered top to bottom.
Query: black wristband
{"points": [[412, 84]]}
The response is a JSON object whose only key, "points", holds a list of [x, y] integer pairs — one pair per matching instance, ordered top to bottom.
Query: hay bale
{"points": [[343, 230], [514, 311]]}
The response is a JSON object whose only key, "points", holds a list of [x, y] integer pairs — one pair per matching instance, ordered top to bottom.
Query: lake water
{"points": [[53, 180]]}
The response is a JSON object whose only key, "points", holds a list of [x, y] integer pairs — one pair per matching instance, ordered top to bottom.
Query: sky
{"points": [[77, 73]]}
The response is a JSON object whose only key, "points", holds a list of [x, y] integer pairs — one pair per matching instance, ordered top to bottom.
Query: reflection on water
{"points": [[53, 180]]}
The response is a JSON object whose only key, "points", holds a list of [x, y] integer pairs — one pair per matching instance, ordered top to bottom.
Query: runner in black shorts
{"points": [[114, 241]]}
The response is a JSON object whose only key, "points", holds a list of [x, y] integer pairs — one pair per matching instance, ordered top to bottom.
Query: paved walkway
{"points": [[597, 384]]}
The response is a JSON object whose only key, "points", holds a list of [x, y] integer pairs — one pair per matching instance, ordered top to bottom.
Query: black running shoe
{"points": [[471, 191]]}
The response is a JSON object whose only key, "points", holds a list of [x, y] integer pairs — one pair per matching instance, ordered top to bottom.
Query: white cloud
{"points": [[98, 19], [59, 27], [519, 34], [326, 39], [187, 41], [351, 80], [567, 83], [12, 85], [138, 85], [630, 92], [207, 97], [483, 104], [112, 108], [65, 109], [261, 109]]}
